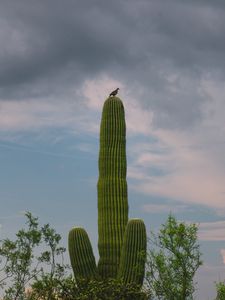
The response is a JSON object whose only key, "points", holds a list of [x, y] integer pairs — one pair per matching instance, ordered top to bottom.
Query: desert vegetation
{"points": [[32, 266]]}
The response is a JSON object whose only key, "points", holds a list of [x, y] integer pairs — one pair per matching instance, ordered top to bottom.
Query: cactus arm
{"points": [[81, 254], [132, 264]]}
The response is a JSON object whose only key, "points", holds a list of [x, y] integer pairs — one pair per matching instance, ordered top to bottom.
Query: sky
{"points": [[59, 62]]}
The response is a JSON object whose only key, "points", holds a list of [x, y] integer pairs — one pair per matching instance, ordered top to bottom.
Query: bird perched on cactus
{"points": [[114, 93], [121, 241]]}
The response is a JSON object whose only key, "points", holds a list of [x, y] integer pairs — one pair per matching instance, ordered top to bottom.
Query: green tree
{"points": [[33, 258], [17, 259], [172, 261], [52, 279], [220, 291]]}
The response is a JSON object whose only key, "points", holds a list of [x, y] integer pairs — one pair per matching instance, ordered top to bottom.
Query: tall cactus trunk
{"points": [[112, 187], [121, 244]]}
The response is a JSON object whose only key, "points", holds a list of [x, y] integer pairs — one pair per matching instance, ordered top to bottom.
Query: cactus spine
{"points": [[121, 243]]}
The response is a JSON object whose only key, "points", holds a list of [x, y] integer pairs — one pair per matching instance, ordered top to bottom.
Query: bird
{"points": [[114, 93]]}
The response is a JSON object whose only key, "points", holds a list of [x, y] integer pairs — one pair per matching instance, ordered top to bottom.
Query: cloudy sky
{"points": [[58, 62]]}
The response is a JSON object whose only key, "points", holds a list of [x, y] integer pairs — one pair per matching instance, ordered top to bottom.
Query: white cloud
{"points": [[97, 90], [26, 115], [34, 115], [138, 121], [190, 163], [188, 174], [212, 231]]}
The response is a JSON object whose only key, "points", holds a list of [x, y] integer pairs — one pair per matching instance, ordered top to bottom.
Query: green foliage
{"points": [[112, 210], [17, 258], [172, 261], [21, 265], [54, 288], [67, 289], [110, 289], [220, 291]]}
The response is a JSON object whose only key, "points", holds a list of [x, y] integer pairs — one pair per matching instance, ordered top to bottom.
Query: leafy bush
{"points": [[172, 261], [21, 265], [32, 268], [110, 289], [220, 289]]}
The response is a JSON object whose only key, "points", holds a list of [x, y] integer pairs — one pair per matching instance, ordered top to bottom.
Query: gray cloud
{"points": [[163, 48]]}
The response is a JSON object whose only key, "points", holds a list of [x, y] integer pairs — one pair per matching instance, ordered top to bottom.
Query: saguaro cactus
{"points": [[121, 244]]}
